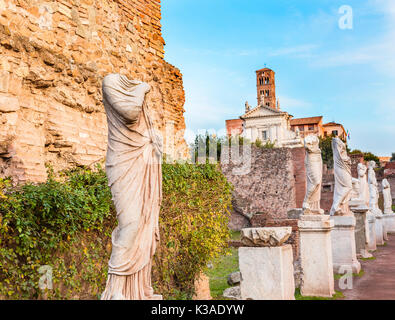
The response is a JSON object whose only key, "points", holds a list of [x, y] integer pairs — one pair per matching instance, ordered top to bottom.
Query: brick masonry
{"points": [[53, 58], [269, 188]]}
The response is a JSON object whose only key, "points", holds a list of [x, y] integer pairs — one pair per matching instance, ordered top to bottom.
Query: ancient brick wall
{"points": [[54, 55], [298, 159], [269, 187], [328, 188]]}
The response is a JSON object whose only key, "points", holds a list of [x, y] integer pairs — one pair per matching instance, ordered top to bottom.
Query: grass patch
{"points": [[235, 235], [367, 259], [360, 274], [218, 275], [339, 276], [337, 295]]}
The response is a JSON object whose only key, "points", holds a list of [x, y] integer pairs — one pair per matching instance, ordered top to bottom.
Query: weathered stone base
{"points": [[389, 219], [379, 230], [361, 231], [343, 244], [371, 245], [316, 256], [267, 273]]}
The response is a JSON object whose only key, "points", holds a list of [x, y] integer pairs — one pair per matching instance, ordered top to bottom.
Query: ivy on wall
{"points": [[66, 224]]}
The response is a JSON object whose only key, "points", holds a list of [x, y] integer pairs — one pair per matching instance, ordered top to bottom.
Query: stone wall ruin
{"points": [[53, 56]]}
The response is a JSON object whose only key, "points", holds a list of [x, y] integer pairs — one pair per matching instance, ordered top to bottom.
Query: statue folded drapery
{"points": [[313, 164], [133, 167], [343, 179], [363, 183], [373, 189], [387, 197]]}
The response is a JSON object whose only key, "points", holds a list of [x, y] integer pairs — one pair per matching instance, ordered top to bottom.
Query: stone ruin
{"points": [[53, 57]]}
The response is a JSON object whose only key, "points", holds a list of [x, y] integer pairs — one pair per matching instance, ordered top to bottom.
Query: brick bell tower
{"points": [[266, 88]]}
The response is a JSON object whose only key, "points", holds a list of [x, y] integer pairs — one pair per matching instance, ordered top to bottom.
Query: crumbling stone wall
{"points": [[53, 56], [269, 189]]}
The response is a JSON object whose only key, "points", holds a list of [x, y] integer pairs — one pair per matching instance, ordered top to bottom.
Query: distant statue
{"points": [[247, 107], [313, 164], [133, 167], [343, 179], [363, 183], [373, 188], [356, 190], [387, 197]]}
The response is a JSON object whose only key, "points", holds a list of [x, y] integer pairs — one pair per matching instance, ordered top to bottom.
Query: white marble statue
{"points": [[313, 164], [133, 167], [343, 179], [363, 183], [373, 188], [356, 190], [387, 197]]}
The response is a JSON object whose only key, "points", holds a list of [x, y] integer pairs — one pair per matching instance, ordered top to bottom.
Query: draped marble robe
{"points": [[313, 164], [133, 167], [343, 179], [363, 183], [373, 189], [387, 197]]}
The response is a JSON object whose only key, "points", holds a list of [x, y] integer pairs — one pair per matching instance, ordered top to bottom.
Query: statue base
{"points": [[389, 220], [361, 230], [379, 230], [371, 243], [343, 245], [316, 255], [267, 273]]}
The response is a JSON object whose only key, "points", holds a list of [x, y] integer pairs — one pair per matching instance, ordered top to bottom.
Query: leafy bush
{"points": [[326, 150], [67, 222], [193, 224], [66, 225]]}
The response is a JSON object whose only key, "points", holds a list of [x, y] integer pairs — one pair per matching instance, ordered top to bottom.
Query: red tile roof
{"points": [[302, 121], [331, 124]]}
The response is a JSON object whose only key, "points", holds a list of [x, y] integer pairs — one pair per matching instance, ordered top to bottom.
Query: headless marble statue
{"points": [[313, 164], [133, 167], [343, 179], [363, 183], [373, 189], [387, 197]]}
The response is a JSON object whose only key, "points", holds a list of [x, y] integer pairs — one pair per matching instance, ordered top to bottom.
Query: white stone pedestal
{"points": [[390, 222], [385, 227], [361, 230], [379, 230], [343, 245], [371, 245], [316, 256], [267, 273]]}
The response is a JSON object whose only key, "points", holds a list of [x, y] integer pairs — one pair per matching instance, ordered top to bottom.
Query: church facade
{"points": [[268, 123]]}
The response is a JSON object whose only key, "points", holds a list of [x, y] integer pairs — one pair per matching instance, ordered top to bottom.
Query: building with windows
{"points": [[267, 122], [314, 125]]}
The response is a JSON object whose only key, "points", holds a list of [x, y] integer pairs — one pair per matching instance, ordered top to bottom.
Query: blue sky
{"points": [[347, 76]]}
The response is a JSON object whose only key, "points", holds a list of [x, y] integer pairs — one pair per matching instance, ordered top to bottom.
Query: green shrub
{"points": [[67, 222], [193, 224], [66, 225]]}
